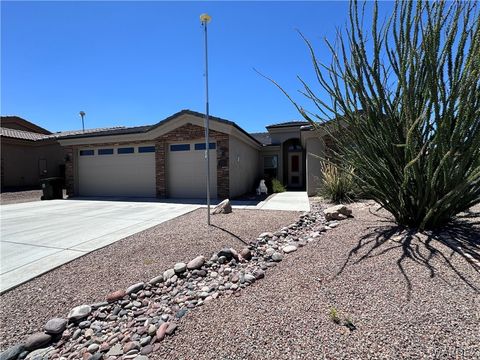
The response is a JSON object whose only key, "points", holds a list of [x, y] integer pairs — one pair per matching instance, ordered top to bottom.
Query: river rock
{"points": [[223, 208], [289, 248], [196, 263], [180, 267], [135, 288], [116, 295], [79, 312], [55, 326], [37, 341]]}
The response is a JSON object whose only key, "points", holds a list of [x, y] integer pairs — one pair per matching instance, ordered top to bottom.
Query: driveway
{"points": [[39, 236]]}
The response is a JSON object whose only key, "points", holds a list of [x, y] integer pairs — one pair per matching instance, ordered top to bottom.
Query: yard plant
{"points": [[405, 93], [336, 183]]}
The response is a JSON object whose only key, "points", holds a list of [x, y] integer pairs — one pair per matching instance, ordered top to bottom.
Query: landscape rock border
{"points": [[131, 323]]}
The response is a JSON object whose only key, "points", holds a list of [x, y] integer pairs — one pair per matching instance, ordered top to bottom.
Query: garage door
{"points": [[186, 170], [117, 171]]}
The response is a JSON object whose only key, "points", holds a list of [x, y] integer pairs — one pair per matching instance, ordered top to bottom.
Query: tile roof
{"points": [[288, 123], [143, 129], [33, 136], [263, 137]]}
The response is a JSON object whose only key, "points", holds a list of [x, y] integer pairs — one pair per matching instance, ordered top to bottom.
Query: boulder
{"points": [[223, 208], [337, 212]]}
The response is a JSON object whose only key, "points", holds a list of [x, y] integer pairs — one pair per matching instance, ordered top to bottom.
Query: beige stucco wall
{"points": [[283, 134], [314, 147], [20, 162], [243, 165]]}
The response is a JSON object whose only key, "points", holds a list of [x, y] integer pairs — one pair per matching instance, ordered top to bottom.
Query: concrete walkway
{"points": [[289, 200], [39, 236]]}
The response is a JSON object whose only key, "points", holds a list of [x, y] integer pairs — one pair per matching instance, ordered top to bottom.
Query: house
{"points": [[28, 153], [168, 159]]}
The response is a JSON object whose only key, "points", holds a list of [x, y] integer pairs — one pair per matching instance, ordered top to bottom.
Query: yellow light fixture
{"points": [[205, 18]]}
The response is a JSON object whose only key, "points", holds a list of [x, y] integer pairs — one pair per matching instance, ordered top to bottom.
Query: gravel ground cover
{"points": [[16, 197], [412, 300], [25, 309]]}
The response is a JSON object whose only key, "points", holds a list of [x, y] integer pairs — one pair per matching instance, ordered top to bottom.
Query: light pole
{"points": [[205, 19], [82, 115]]}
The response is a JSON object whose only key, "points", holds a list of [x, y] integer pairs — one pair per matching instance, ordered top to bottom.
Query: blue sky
{"points": [[135, 63]]}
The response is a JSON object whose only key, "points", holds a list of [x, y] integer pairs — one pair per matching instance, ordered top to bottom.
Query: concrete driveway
{"points": [[39, 236]]}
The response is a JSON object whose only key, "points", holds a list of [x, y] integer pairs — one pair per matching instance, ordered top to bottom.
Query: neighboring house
{"points": [[28, 153], [168, 159]]}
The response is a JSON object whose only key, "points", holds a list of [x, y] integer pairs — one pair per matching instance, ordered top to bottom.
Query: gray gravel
{"points": [[15, 197], [24, 310], [433, 314]]}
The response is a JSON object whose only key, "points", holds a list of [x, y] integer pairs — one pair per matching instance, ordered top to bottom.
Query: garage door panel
{"points": [[186, 173], [117, 174]]}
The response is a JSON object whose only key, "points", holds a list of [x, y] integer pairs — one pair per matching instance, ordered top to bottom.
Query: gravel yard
{"points": [[15, 197], [140, 257], [420, 300]]}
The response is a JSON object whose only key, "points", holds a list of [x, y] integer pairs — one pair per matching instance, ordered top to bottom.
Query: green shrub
{"points": [[405, 97], [336, 185], [277, 186]]}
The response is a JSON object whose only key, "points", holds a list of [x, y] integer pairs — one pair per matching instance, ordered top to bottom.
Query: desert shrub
{"points": [[405, 96], [336, 184], [277, 186]]}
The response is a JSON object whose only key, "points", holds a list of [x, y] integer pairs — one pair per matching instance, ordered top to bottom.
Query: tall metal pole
{"points": [[205, 18], [82, 114]]}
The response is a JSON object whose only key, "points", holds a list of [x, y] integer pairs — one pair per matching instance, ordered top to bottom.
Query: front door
{"points": [[295, 169]]}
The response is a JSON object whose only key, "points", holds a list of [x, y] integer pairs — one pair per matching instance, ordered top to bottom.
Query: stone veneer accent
{"points": [[186, 132], [191, 132]]}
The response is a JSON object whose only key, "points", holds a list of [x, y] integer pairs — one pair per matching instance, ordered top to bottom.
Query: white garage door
{"points": [[186, 170], [117, 171]]}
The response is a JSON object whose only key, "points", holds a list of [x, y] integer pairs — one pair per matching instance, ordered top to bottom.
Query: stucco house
{"points": [[28, 153], [168, 159]]}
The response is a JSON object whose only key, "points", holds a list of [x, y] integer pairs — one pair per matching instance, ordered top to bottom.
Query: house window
{"points": [[201, 146], [180, 147], [146, 149], [126, 150], [105, 151], [87, 152], [270, 164]]}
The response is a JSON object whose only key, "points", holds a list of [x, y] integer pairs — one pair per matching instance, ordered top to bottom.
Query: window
{"points": [[201, 146], [180, 147], [146, 149], [126, 150], [105, 151], [87, 152], [270, 162]]}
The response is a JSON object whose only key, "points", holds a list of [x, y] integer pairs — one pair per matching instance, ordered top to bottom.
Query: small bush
{"points": [[336, 185], [277, 186], [334, 315]]}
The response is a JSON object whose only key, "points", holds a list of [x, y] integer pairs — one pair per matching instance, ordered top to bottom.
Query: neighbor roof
{"points": [[7, 121], [288, 124], [146, 128], [21, 134], [33, 136], [263, 137]]}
